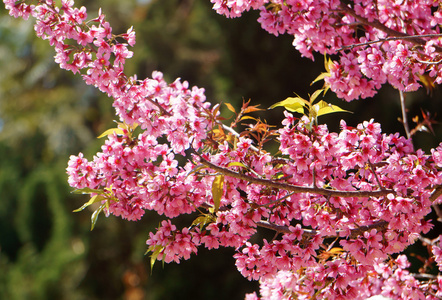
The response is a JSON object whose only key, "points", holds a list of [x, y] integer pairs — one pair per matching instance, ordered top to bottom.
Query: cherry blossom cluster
{"points": [[378, 42], [174, 110], [335, 169], [340, 203], [360, 232], [391, 280]]}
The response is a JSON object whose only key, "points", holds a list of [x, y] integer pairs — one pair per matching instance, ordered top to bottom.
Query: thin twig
{"points": [[395, 38], [428, 62], [162, 109], [404, 114], [375, 175], [314, 177], [276, 201], [427, 241], [423, 276]]}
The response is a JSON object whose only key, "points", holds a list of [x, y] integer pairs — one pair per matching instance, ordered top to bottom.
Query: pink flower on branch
{"points": [[386, 53]]}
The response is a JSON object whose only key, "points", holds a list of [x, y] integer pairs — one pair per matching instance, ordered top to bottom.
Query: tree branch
{"points": [[394, 39], [294, 188], [436, 193], [308, 233]]}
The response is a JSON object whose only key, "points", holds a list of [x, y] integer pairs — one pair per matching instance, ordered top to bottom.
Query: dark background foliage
{"points": [[47, 114]]}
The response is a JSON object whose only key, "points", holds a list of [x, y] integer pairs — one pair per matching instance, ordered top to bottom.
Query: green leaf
{"points": [[328, 63], [320, 77], [315, 95], [294, 104], [230, 107], [327, 108], [247, 118], [126, 127], [110, 131], [236, 164], [86, 190], [217, 191], [91, 201], [95, 215], [199, 220], [203, 220], [148, 250], [156, 250]]}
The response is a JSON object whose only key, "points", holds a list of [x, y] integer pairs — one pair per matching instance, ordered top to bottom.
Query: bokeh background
{"points": [[48, 114]]}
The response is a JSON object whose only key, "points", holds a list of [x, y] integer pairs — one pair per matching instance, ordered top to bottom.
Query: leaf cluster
{"points": [[312, 108]]}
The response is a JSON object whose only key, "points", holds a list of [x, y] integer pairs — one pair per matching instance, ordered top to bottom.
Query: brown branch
{"points": [[391, 32], [393, 39], [428, 62], [161, 109], [295, 188], [436, 193], [379, 226], [274, 227], [308, 233], [423, 276]]}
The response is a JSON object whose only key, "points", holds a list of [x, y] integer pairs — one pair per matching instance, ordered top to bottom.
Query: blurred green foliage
{"points": [[47, 114]]}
